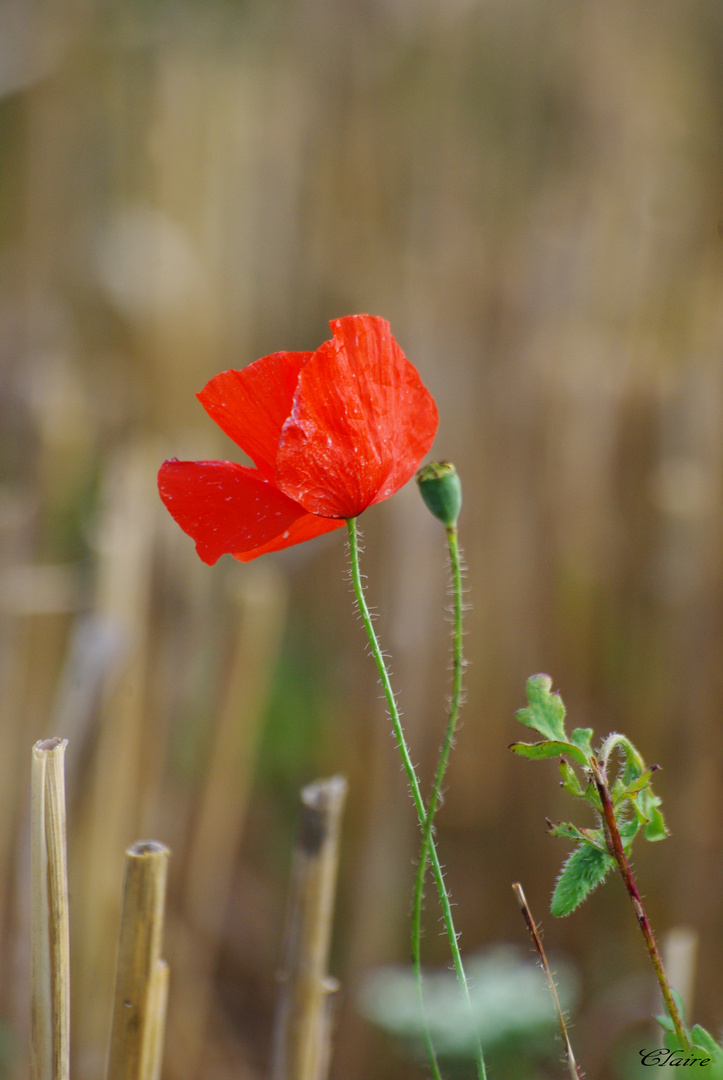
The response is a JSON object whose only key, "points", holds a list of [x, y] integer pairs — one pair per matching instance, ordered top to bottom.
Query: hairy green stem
{"points": [[411, 779], [428, 830], [617, 850]]}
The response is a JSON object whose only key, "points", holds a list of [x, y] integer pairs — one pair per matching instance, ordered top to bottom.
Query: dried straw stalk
{"points": [[49, 936], [139, 1009], [302, 1031]]}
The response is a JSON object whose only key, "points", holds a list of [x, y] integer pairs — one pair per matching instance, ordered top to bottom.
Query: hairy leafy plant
{"points": [[617, 784], [634, 804]]}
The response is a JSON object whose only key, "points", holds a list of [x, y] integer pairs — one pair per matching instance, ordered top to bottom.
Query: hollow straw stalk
{"points": [[411, 779], [50, 942], [141, 979], [302, 1027]]}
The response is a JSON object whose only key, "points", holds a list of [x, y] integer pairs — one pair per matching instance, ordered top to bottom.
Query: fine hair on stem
{"points": [[412, 781]]}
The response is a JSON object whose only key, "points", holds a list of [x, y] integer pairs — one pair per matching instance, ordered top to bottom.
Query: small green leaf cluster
{"points": [[635, 806], [703, 1047]]}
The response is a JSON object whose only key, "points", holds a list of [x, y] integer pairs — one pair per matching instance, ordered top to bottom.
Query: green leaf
{"points": [[545, 711], [582, 737], [613, 740], [547, 749], [633, 763], [569, 780], [639, 784], [634, 785], [616, 791], [593, 796], [645, 804], [655, 827], [565, 829], [568, 831], [628, 831], [584, 869], [679, 1005], [665, 1022], [704, 1039], [703, 1046], [716, 1071]]}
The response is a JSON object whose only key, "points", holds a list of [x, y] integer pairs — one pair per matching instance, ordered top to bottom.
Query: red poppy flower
{"points": [[330, 433]]}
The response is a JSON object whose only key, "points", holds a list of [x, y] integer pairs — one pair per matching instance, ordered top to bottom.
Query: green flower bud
{"points": [[441, 490]]}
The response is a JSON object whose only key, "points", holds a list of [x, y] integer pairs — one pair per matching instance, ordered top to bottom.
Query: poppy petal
{"points": [[251, 405], [361, 422], [225, 507], [305, 528]]}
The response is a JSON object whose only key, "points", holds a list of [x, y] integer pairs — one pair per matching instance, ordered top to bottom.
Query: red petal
{"points": [[251, 405], [361, 422], [225, 507], [306, 528]]}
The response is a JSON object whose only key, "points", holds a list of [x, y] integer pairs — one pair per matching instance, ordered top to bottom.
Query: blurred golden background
{"points": [[532, 193]]}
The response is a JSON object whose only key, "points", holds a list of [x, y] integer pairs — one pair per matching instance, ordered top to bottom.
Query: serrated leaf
{"points": [[545, 711], [582, 737], [546, 749], [568, 831], [584, 869]]}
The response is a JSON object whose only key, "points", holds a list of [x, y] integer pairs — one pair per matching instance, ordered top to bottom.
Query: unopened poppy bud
{"points": [[441, 490]]}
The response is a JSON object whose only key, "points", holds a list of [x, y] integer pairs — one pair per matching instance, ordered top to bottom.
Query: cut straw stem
{"points": [[50, 941], [139, 1008], [302, 1028], [153, 1036]]}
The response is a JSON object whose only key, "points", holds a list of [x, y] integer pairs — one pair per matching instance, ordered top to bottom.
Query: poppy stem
{"points": [[412, 781], [428, 828]]}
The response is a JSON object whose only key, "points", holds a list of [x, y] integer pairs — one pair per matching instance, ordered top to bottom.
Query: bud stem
{"points": [[412, 781], [428, 830]]}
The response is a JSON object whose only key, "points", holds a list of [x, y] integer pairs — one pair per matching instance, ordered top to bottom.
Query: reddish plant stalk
{"points": [[615, 846]]}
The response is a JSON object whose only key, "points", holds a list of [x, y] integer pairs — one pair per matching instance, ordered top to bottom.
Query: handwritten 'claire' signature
{"points": [[662, 1056]]}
